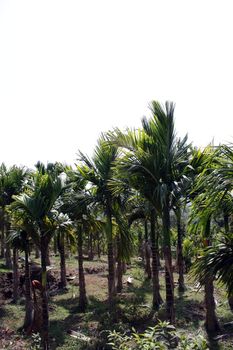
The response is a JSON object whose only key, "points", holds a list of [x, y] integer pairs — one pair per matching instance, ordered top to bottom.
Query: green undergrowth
{"points": [[133, 309]]}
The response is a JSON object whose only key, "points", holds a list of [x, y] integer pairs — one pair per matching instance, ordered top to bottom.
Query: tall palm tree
{"points": [[152, 163], [97, 172], [11, 183], [205, 198], [40, 203], [64, 230], [19, 239], [211, 322]]}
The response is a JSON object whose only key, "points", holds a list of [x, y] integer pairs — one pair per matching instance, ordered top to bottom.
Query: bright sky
{"points": [[71, 69]]}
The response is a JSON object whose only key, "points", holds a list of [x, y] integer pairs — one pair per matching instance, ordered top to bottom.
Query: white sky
{"points": [[71, 69]]}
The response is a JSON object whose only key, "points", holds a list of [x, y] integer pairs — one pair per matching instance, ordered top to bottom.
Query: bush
{"points": [[163, 336]]}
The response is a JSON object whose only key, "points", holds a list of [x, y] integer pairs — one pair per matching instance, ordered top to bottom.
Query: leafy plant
{"points": [[163, 336]]}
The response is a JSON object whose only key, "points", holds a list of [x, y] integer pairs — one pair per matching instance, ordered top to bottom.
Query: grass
{"points": [[133, 308]]}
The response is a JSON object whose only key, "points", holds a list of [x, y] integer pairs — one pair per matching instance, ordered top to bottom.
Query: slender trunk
{"points": [[226, 226], [2, 237], [98, 245], [55, 246], [140, 246], [90, 247], [61, 248], [8, 250], [37, 252], [147, 253], [8, 257], [180, 259], [48, 262], [111, 262], [119, 271], [15, 275], [111, 276], [119, 276], [82, 285], [157, 300], [45, 309], [170, 310], [28, 320], [211, 322]]}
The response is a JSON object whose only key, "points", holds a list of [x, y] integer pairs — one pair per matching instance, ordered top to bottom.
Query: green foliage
{"points": [[189, 250], [216, 262], [163, 336], [36, 341], [186, 343]]}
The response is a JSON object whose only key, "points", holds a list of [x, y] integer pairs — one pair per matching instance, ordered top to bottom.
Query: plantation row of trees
{"points": [[148, 175]]}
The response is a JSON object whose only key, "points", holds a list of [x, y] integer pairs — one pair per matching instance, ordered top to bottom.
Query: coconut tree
{"points": [[152, 163], [40, 203]]}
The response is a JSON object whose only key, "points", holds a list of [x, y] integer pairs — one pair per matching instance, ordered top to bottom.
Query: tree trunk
{"points": [[226, 226], [2, 237], [55, 245], [98, 245], [140, 246], [90, 247], [61, 248], [8, 250], [37, 252], [147, 253], [8, 257], [180, 259], [48, 262], [111, 262], [119, 271], [15, 275], [119, 276], [111, 277], [82, 285], [157, 300], [45, 309], [170, 310], [28, 320], [211, 322]]}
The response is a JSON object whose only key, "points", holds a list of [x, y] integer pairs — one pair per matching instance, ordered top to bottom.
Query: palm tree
{"points": [[152, 163], [97, 172], [11, 183], [40, 203], [205, 206], [64, 230], [19, 240], [216, 261], [211, 322]]}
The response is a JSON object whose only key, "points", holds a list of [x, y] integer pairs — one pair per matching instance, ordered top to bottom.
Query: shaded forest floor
{"points": [[70, 329]]}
